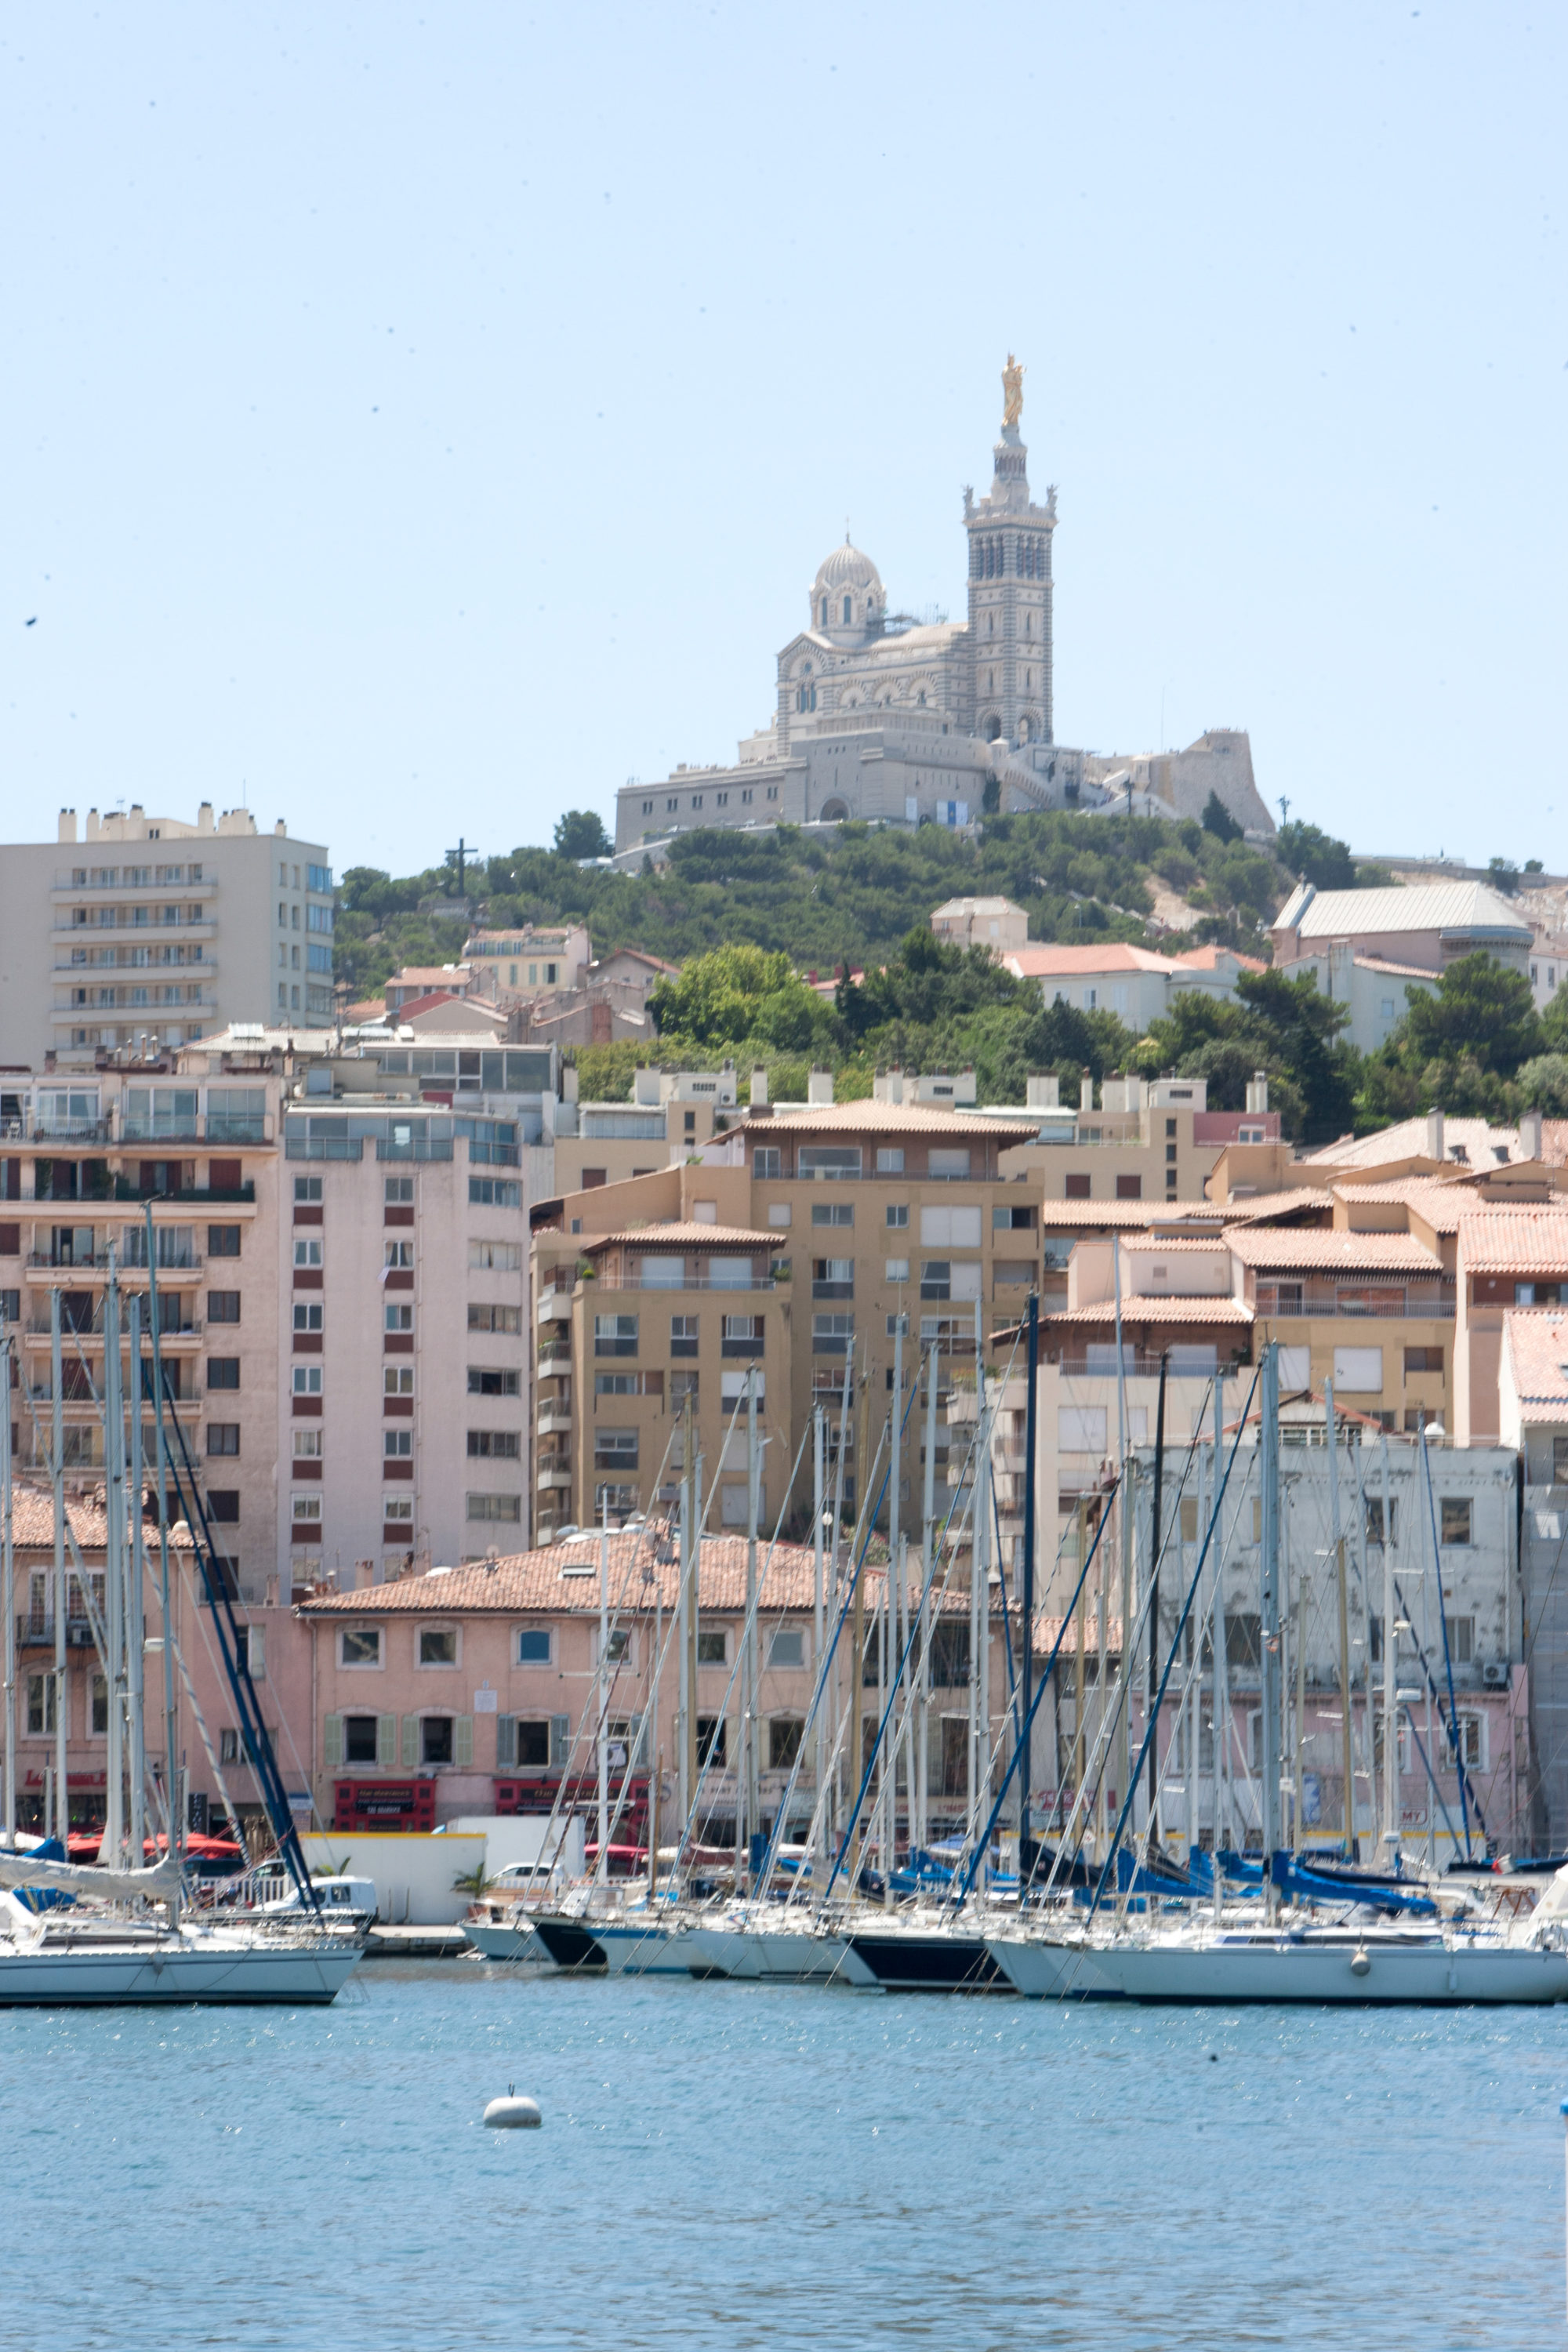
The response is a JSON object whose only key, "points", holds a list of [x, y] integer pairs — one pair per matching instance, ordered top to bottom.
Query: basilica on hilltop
{"points": [[882, 716]]}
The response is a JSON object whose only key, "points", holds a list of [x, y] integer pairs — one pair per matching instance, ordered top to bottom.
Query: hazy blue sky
{"points": [[423, 419]]}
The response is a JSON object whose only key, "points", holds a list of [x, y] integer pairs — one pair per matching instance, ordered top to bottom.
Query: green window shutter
{"points": [[462, 1740], [559, 1741], [387, 1742], [410, 1742], [506, 1742], [333, 1743]]}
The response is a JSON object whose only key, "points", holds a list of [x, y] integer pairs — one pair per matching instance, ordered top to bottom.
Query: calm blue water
{"points": [[728, 2167]]}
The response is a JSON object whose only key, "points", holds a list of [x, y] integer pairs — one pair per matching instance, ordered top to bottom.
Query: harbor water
{"points": [[727, 2166]]}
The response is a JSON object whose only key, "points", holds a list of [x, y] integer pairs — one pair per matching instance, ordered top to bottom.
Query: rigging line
{"points": [[1172, 1534], [1187, 1606], [1447, 1654], [735, 1668], [1433, 1685], [1431, 1775], [853, 1822], [983, 1843]]}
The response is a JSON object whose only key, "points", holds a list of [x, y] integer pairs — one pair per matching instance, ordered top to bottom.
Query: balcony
{"points": [[28, 1129], [44, 1264], [1283, 1300], [554, 1305], [37, 1331], [555, 1358], [554, 1421], [553, 1474], [34, 1632]]}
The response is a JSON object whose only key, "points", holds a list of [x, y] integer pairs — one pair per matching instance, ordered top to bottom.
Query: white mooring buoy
{"points": [[513, 2114]]}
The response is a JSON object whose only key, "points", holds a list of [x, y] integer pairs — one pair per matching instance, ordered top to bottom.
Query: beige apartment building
{"points": [[148, 933], [672, 1116], [1153, 1141]]}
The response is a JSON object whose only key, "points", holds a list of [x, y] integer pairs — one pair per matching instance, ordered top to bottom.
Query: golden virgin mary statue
{"points": [[1012, 390]]}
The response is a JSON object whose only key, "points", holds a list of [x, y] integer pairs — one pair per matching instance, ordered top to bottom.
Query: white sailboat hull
{"points": [[505, 1942], [773, 1955], [1323, 1968], [169, 1974]]}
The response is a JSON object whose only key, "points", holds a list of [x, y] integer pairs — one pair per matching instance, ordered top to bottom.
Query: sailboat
{"points": [[122, 1932], [1333, 1952]]}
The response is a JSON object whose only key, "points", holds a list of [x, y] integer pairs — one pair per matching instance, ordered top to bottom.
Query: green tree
{"points": [[1218, 820], [581, 833], [1316, 857], [734, 994], [1481, 1008], [1542, 1084]]}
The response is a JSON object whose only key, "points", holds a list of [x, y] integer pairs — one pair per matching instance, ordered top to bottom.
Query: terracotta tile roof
{"points": [[1211, 958], [1049, 963], [1397, 971], [891, 1119], [1406, 1140], [1438, 1199], [1273, 1206], [1139, 1216], [683, 1237], [1505, 1240], [1156, 1244], [1266, 1248], [1224, 1309], [1537, 1342], [33, 1520], [540, 1583]]}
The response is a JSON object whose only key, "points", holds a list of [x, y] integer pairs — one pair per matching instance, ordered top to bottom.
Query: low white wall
{"points": [[522, 1838]]}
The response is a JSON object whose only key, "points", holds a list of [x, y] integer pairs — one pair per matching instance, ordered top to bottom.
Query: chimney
{"points": [[205, 818], [68, 825], [758, 1085], [819, 1086], [888, 1087], [1258, 1091], [1086, 1092], [1043, 1094], [1435, 1135], [1529, 1135]]}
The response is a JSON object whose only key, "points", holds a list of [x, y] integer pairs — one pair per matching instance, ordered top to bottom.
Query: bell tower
{"points": [[1010, 590]]}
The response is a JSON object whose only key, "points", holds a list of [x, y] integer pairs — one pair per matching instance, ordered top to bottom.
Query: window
{"points": [[767, 1161], [948, 1161], [827, 1163], [1077, 1187], [1129, 1188], [307, 1189], [397, 1191], [494, 1193], [833, 1213], [898, 1216], [222, 1241], [308, 1250], [398, 1256], [496, 1257], [896, 1269], [833, 1277], [936, 1278], [222, 1307], [308, 1316], [397, 1318], [494, 1318], [896, 1323], [615, 1335], [683, 1335], [741, 1335], [832, 1335], [1423, 1359], [222, 1371], [1358, 1371], [307, 1379], [397, 1379], [485, 1379], [683, 1385], [223, 1437], [398, 1444], [493, 1444], [307, 1446], [615, 1449], [223, 1504], [394, 1508], [506, 1509], [307, 1512], [1375, 1518], [1456, 1518], [1462, 1639], [359, 1645], [437, 1645], [533, 1646], [618, 1646], [712, 1646], [787, 1647], [40, 1704], [101, 1707], [710, 1730], [785, 1733], [434, 1739]]}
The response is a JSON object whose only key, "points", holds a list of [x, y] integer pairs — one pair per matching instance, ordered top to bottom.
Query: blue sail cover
{"points": [[1330, 1885], [45, 1898]]}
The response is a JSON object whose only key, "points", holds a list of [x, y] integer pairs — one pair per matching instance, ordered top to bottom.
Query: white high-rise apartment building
{"points": [[147, 928]]}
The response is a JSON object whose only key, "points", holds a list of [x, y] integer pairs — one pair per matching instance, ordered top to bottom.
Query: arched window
{"points": [[825, 611], [846, 612]]}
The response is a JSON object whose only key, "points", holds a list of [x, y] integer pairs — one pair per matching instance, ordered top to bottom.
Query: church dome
{"points": [[848, 569]]}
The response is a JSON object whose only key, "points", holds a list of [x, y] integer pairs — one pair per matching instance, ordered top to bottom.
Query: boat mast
{"points": [[818, 1481], [1125, 1514], [8, 1574], [114, 1575], [1154, 1597], [1303, 1599], [980, 1600], [135, 1605], [1269, 1614], [888, 1634], [1025, 1666], [1220, 1672], [1390, 1680], [749, 1726], [1347, 1755], [685, 1772], [922, 1798], [172, 1799], [61, 1824], [602, 1864]]}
